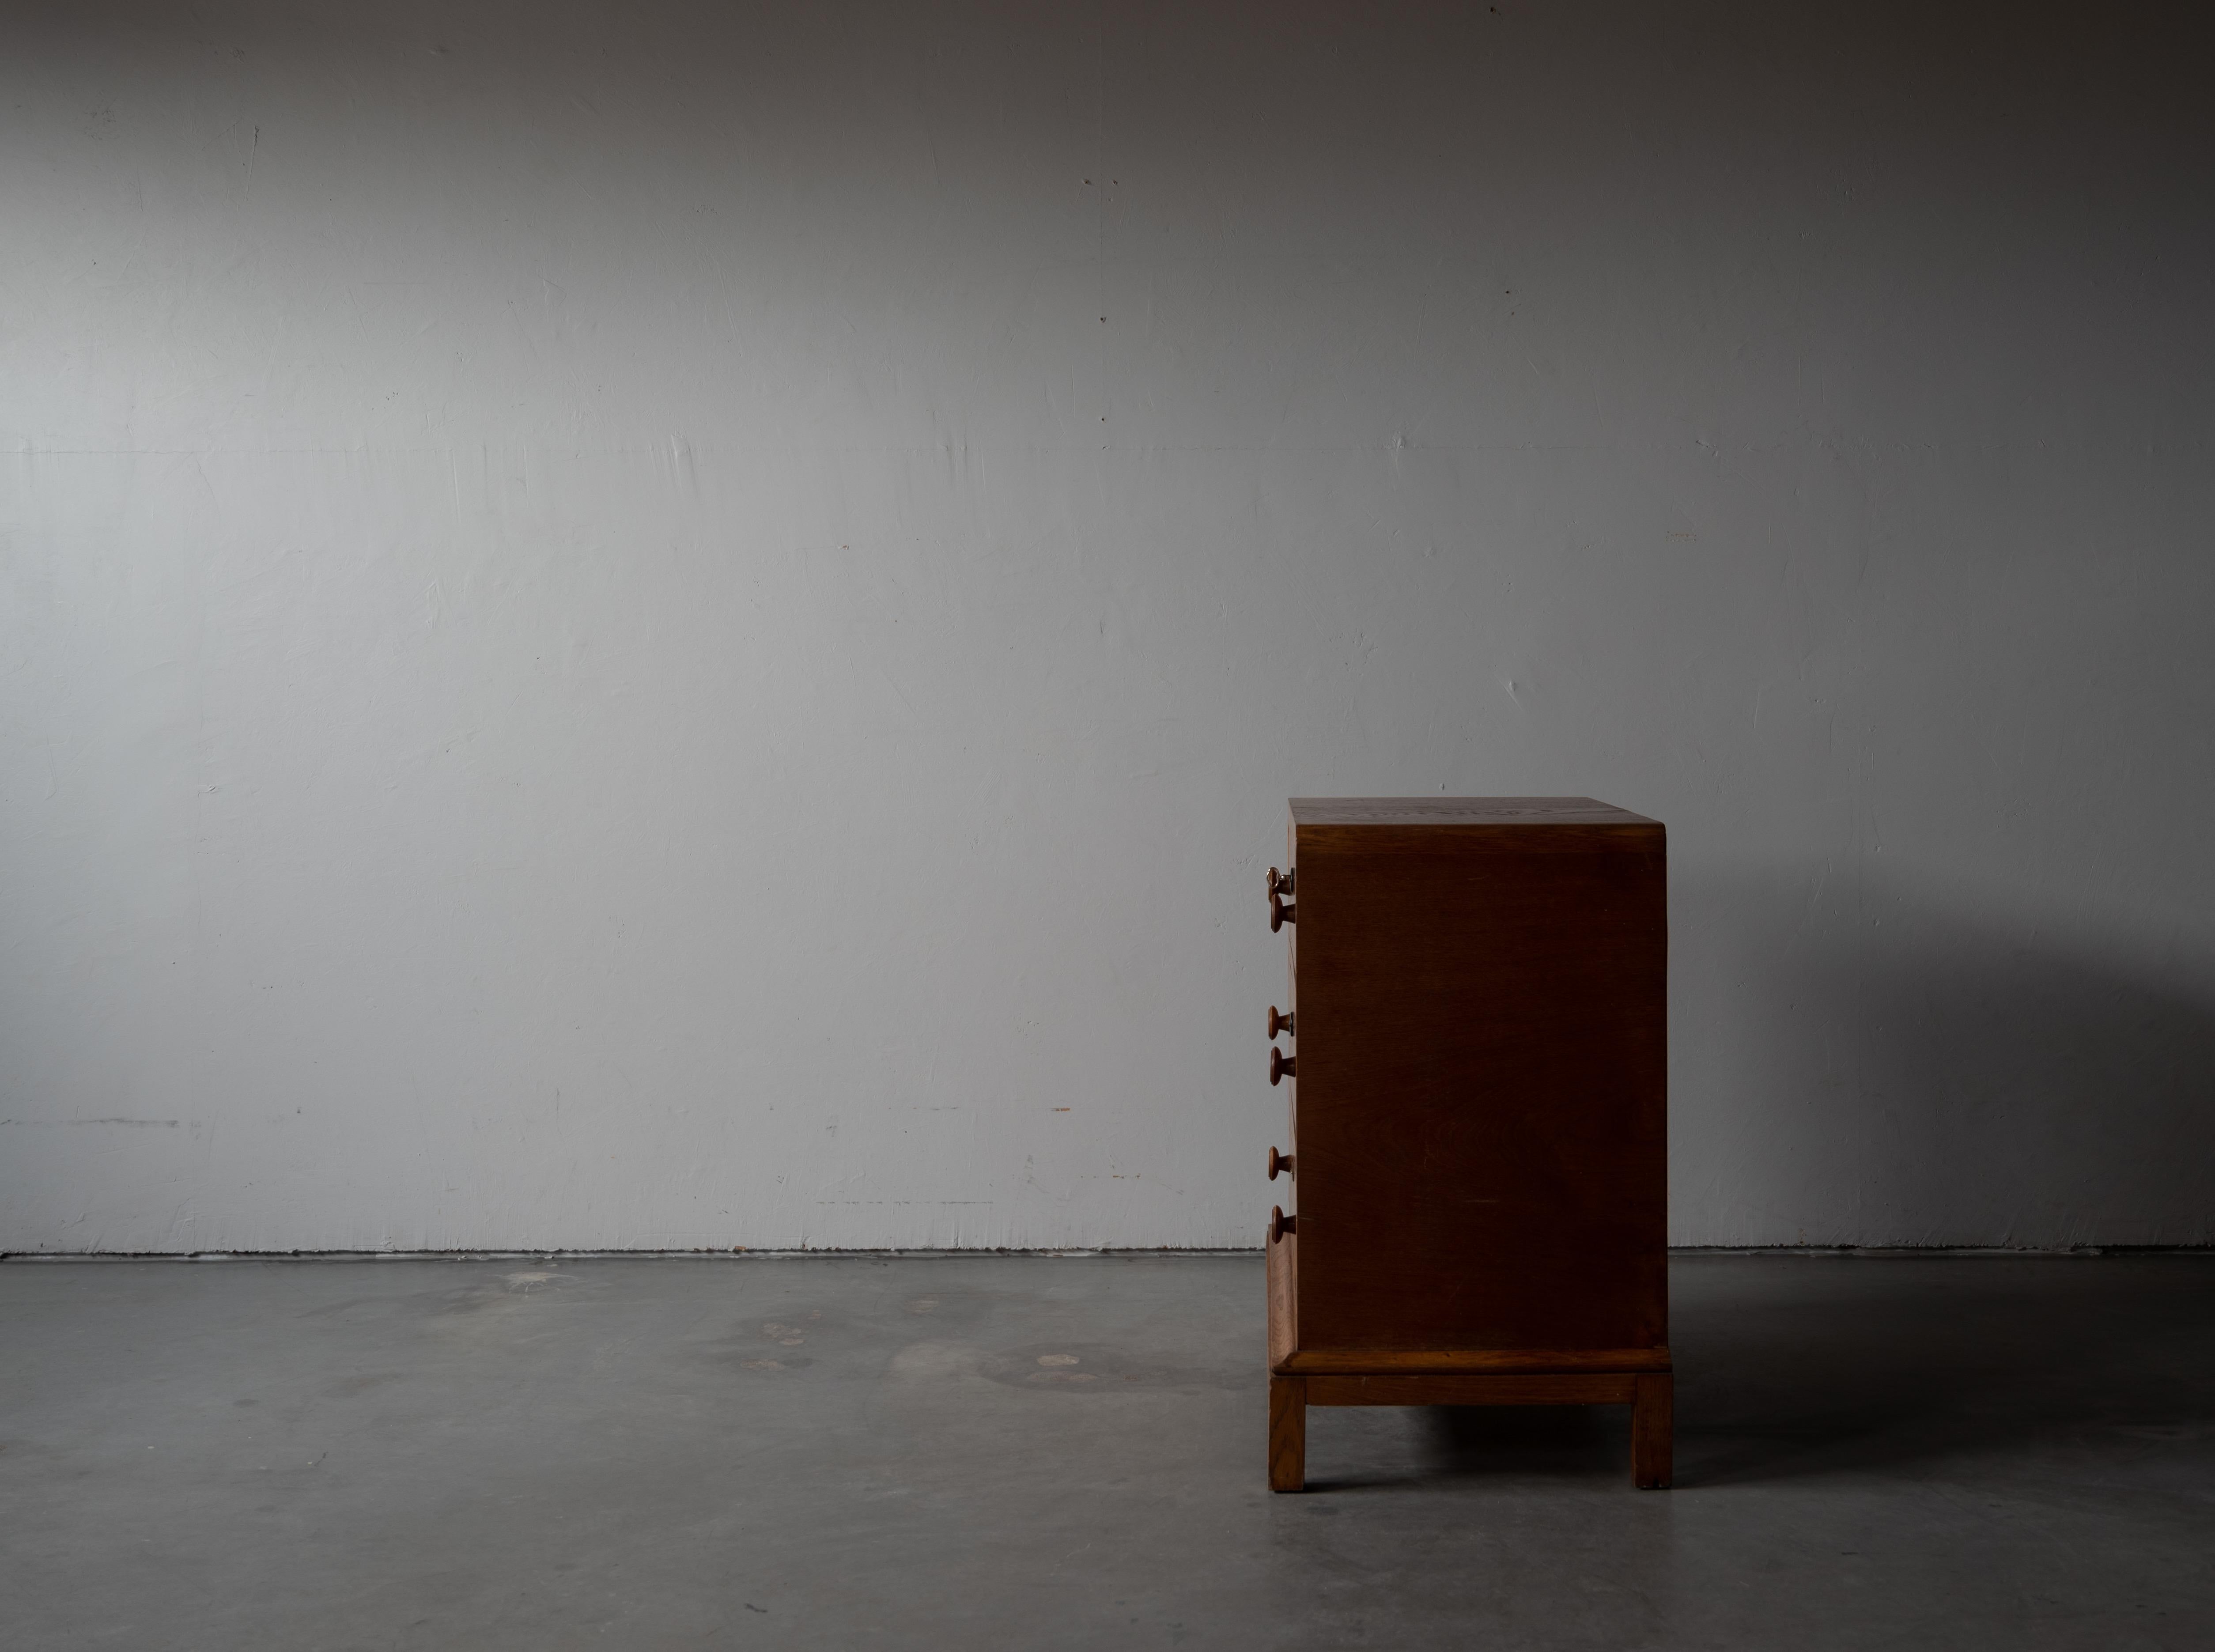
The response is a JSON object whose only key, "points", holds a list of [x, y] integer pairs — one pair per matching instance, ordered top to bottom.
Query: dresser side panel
{"points": [[1482, 1090]]}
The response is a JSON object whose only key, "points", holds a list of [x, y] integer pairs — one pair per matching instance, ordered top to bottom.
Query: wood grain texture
{"points": [[1481, 987], [1284, 1300], [1310, 1362], [1594, 1388], [1653, 1432], [1288, 1434]]}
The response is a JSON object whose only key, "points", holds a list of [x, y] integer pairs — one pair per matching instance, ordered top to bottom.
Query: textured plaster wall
{"points": [[662, 625]]}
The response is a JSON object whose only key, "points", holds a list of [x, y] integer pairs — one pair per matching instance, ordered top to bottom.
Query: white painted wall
{"points": [[657, 626]]}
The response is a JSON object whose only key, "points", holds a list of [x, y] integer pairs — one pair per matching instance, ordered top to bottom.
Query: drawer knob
{"points": [[1279, 915], [1279, 1024], [1280, 1066], [1280, 1162], [1280, 1223]]}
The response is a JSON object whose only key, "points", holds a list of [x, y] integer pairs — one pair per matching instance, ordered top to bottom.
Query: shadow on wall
{"points": [[1903, 1069]]}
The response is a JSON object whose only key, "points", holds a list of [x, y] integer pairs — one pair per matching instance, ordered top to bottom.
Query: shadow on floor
{"points": [[1906, 1065], [1790, 1367], [1796, 1368], [1427, 1445]]}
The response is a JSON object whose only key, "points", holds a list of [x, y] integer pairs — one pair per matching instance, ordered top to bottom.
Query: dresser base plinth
{"points": [[1650, 1395]]}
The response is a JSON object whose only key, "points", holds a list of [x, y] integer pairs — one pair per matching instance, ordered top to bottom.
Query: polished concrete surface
{"points": [[1067, 1452]]}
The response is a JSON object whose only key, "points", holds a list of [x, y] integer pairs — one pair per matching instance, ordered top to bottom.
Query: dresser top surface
{"points": [[1461, 811]]}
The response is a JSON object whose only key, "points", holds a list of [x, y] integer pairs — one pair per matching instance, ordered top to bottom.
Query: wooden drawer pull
{"points": [[1279, 915], [1279, 1024], [1280, 1066], [1280, 1162], [1280, 1223]]}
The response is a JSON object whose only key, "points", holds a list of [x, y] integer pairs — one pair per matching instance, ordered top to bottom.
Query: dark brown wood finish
{"points": [[1479, 1106], [1283, 1299], [1320, 1361], [1602, 1388], [1653, 1431], [1288, 1434]]}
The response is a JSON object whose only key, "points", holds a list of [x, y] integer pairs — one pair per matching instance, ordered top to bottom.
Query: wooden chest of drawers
{"points": [[1475, 1047]]}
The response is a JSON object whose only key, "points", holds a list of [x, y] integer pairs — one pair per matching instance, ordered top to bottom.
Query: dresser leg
{"points": [[1653, 1431], [1288, 1434]]}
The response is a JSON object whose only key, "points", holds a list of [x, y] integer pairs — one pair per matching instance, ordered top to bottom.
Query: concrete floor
{"points": [[900, 1454]]}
